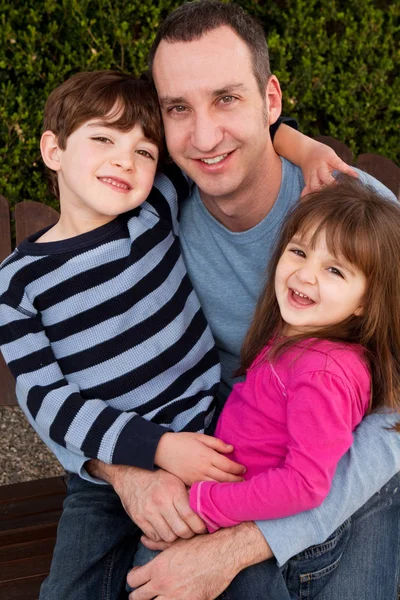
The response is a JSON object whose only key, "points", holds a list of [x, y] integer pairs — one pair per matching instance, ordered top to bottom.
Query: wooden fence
{"points": [[32, 216]]}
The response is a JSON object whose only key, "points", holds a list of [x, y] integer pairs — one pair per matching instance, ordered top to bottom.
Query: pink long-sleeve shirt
{"points": [[290, 422]]}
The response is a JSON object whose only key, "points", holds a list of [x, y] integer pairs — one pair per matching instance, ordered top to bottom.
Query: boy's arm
{"points": [[317, 161], [86, 427]]}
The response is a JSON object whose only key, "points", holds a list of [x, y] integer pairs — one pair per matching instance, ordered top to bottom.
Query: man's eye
{"points": [[227, 99], [177, 109], [101, 139], [145, 153], [336, 271]]}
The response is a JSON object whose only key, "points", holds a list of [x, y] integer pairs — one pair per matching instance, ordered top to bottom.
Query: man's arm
{"points": [[155, 500], [200, 568]]}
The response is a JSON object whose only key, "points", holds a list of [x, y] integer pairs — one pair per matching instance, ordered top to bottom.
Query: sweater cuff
{"points": [[137, 443]]}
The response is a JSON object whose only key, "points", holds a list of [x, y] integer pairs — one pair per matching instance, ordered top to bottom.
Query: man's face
{"points": [[215, 119]]}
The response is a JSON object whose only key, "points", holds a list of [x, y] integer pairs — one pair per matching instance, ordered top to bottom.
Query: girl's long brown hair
{"points": [[364, 228]]}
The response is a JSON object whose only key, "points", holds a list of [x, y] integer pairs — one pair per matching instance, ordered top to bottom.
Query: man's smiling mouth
{"points": [[215, 160]]}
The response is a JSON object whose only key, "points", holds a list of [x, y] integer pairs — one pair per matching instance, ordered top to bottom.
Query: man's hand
{"points": [[197, 457], [155, 500], [200, 568]]}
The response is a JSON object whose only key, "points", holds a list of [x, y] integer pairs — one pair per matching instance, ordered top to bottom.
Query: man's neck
{"points": [[247, 207]]}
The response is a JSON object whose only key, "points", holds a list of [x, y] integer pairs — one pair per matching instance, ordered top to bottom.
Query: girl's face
{"points": [[313, 288]]}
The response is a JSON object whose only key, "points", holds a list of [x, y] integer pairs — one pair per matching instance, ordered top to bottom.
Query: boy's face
{"points": [[104, 172]]}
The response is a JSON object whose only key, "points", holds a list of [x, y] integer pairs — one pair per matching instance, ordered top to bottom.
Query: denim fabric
{"points": [[96, 542], [96, 546]]}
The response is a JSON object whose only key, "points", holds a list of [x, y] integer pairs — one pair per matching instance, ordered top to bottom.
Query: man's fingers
{"points": [[193, 520], [178, 525], [162, 529], [151, 545], [139, 576]]}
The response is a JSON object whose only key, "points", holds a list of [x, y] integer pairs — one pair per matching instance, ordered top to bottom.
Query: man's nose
{"points": [[206, 133]]}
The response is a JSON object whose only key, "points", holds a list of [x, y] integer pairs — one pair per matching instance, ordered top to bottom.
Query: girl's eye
{"points": [[101, 139], [145, 153], [298, 252], [336, 271]]}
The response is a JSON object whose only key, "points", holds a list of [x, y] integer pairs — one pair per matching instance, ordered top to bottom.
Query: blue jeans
{"points": [[96, 544]]}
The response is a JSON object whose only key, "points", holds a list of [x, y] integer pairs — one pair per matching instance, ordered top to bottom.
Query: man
{"points": [[217, 100]]}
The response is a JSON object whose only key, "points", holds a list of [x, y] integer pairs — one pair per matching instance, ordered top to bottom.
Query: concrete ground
{"points": [[23, 456]]}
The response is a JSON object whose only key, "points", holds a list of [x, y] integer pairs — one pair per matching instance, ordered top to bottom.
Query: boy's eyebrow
{"points": [[227, 89], [112, 126]]}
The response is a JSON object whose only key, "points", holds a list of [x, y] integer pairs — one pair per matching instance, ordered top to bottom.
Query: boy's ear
{"points": [[50, 151]]}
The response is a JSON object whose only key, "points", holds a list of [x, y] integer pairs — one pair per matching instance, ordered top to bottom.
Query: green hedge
{"points": [[337, 62]]}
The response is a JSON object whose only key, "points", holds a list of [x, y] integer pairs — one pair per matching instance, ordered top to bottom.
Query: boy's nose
{"points": [[125, 162]]}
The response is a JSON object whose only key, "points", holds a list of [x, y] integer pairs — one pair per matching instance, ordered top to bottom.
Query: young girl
{"points": [[322, 351]]}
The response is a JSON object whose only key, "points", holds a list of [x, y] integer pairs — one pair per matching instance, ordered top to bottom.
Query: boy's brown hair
{"points": [[121, 99], [364, 228]]}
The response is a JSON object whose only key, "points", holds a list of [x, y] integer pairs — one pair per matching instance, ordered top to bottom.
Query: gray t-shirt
{"points": [[228, 269]]}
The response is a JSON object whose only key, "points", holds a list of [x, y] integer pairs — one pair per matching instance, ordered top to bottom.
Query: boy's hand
{"points": [[318, 166], [197, 457]]}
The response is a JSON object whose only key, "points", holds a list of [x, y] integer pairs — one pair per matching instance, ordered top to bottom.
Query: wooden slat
{"points": [[339, 147], [383, 169], [31, 217], [5, 233], [7, 385], [32, 489], [22, 536], [21, 551], [27, 567], [22, 589]]}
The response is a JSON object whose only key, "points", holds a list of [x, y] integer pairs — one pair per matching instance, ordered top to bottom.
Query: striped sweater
{"points": [[105, 336]]}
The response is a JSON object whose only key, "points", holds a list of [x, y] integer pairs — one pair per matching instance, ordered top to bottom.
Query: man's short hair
{"points": [[192, 20], [121, 99]]}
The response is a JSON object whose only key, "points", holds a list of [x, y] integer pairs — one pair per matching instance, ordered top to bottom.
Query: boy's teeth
{"points": [[212, 161], [117, 184]]}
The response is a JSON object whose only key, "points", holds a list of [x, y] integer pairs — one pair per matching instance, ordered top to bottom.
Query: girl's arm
{"points": [[317, 161], [322, 411]]}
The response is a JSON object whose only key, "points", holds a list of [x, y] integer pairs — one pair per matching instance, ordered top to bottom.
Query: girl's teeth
{"points": [[213, 161], [301, 295]]}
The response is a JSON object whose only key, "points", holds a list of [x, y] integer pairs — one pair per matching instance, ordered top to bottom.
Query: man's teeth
{"points": [[213, 161], [117, 184], [301, 295]]}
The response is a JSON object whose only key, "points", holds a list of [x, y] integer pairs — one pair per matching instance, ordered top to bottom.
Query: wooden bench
{"points": [[29, 511]]}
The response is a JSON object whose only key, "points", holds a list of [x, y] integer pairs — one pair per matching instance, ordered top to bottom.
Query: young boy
{"points": [[99, 322]]}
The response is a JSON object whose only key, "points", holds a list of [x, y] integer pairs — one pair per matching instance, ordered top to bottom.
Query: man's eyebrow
{"points": [[227, 89]]}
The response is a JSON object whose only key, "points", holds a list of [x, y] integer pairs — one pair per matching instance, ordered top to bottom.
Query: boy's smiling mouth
{"points": [[116, 183]]}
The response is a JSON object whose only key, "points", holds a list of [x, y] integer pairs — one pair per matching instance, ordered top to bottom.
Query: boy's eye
{"points": [[101, 139], [145, 153], [336, 271]]}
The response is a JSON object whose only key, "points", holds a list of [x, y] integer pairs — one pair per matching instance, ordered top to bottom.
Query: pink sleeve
{"points": [[321, 414]]}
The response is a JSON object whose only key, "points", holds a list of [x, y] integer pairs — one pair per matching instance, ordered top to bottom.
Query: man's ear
{"points": [[273, 97], [50, 151]]}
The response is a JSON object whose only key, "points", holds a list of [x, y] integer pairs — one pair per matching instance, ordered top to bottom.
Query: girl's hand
{"points": [[197, 457]]}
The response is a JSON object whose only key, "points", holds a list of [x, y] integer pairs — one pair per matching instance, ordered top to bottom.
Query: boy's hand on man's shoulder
{"points": [[197, 457]]}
